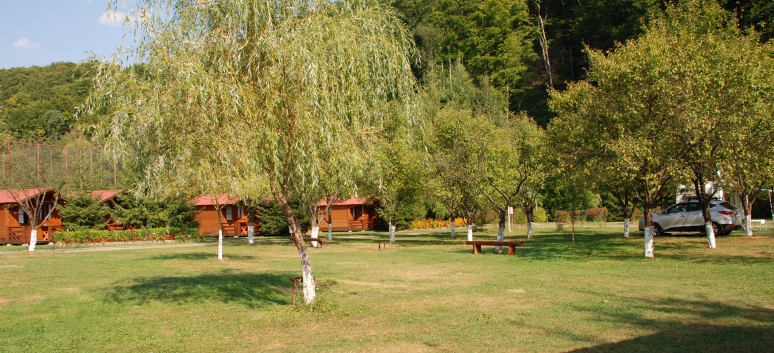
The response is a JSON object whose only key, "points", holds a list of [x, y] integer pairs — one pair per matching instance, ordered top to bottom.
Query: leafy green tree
{"points": [[256, 90]]}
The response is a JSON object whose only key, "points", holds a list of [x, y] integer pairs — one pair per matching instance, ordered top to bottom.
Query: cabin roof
{"points": [[105, 195], [6, 196], [206, 200], [352, 201]]}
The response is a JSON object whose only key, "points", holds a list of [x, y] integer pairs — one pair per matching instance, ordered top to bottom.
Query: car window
{"points": [[728, 206], [680, 207], [693, 207]]}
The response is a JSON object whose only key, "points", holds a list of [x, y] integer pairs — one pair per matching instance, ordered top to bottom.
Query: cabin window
{"points": [[43, 212], [241, 212], [356, 212], [229, 214], [22, 216]]}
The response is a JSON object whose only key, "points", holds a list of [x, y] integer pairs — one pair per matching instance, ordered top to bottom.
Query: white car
{"points": [[686, 217]]}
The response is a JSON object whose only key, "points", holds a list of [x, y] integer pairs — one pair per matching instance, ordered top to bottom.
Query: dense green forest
{"points": [[497, 39], [39, 103]]}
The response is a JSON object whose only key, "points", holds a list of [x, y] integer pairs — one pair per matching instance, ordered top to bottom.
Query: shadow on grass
{"points": [[199, 256], [248, 289], [700, 326], [695, 338]]}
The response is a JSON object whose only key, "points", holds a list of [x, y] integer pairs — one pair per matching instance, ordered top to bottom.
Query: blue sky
{"points": [[40, 32]]}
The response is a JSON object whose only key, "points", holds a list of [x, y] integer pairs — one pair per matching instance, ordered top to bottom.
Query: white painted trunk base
{"points": [[748, 225], [626, 227], [453, 230], [529, 230], [330, 231], [470, 232], [315, 233], [392, 233], [251, 234], [710, 235], [33, 239], [649, 242], [220, 244], [309, 285]]}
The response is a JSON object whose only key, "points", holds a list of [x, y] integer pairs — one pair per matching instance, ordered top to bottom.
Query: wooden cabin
{"points": [[108, 197], [353, 214], [233, 216], [15, 225]]}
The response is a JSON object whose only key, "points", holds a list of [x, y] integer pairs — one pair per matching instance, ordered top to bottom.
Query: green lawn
{"points": [[428, 293]]}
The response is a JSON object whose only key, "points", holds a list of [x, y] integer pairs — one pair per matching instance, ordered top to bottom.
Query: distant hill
{"points": [[40, 102]]}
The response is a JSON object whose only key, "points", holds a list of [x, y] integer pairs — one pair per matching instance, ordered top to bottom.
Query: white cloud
{"points": [[112, 18], [25, 43]]}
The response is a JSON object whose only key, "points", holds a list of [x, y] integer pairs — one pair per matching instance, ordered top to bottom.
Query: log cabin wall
{"points": [[233, 217], [348, 218]]}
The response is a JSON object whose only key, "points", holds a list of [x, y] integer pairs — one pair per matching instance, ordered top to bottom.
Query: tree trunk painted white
{"points": [[747, 217], [748, 225], [251, 227], [626, 227], [453, 230], [529, 230], [330, 231], [470, 232], [315, 233], [392, 233], [710, 235], [500, 237], [33, 239], [649, 242], [220, 243], [306, 270]]}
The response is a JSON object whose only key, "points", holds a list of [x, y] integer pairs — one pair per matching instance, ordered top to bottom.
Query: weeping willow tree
{"points": [[265, 90]]}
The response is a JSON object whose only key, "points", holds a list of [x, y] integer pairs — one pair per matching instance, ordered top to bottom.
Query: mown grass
{"points": [[427, 293]]}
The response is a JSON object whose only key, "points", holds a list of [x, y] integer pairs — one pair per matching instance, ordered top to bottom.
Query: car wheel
{"points": [[716, 229], [657, 230]]}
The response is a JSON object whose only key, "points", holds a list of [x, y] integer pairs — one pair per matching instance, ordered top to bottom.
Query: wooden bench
{"points": [[319, 240], [510, 244]]}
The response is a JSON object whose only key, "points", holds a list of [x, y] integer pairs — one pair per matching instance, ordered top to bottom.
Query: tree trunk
{"points": [[747, 209], [529, 225], [251, 226], [626, 227], [453, 229], [501, 229], [330, 231], [470, 231], [392, 232], [315, 233], [648, 233], [220, 235], [710, 235], [33, 238], [303, 254]]}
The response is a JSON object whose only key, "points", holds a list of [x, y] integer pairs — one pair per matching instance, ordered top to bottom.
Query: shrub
{"points": [[83, 212], [144, 234]]}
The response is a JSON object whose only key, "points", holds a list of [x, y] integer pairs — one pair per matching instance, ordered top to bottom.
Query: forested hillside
{"points": [[500, 38], [39, 103]]}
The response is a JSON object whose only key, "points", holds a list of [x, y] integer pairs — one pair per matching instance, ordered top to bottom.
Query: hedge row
{"points": [[144, 234]]}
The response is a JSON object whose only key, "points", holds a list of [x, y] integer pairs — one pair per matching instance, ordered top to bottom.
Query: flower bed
{"points": [[436, 223], [126, 236]]}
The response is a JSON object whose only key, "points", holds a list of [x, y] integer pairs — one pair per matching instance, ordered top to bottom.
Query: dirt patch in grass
{"points": [[9, 266], [3, 302]]}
